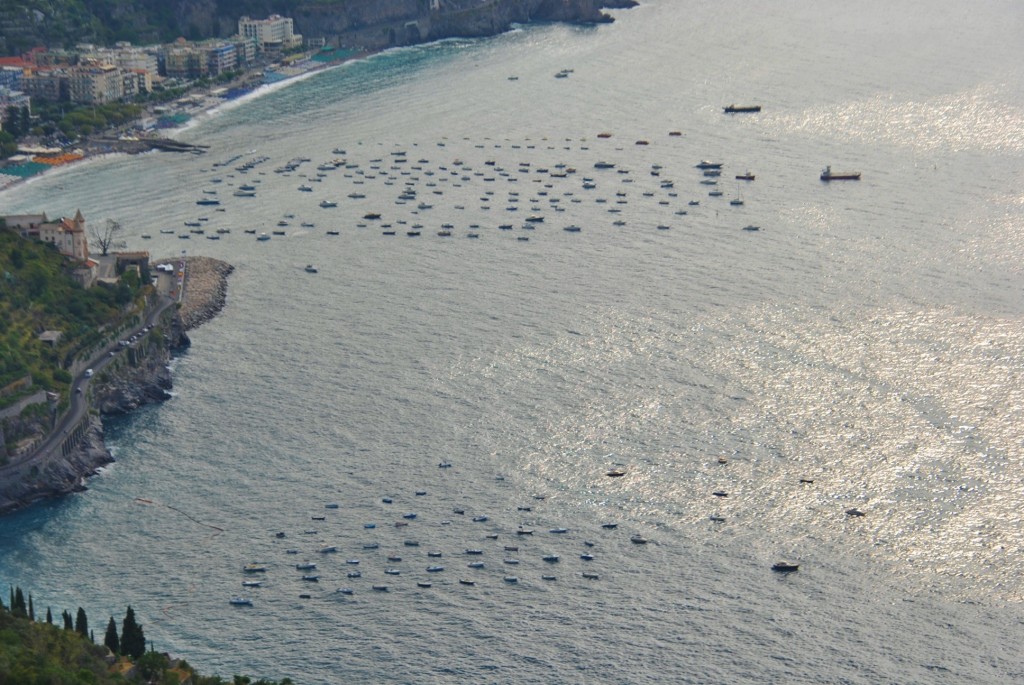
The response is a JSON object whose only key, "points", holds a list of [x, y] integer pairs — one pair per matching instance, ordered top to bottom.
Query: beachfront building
{"points": [[273, 34], [125, 56], [221, 57], [185, 61], [12, 71], [93, 83], [48, 84], [96, 84], [12, 98], [66, 234]]}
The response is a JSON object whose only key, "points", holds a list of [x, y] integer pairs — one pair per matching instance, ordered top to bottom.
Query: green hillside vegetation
{"points": [[25, 24], [38, 294], [42, 653]]}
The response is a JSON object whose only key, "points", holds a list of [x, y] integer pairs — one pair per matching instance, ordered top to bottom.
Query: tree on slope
{"points": [[82, 623], [111, 640], [133, 641]]}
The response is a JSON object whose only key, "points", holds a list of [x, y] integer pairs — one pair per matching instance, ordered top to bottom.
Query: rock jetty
{"points": [[205, 292]]}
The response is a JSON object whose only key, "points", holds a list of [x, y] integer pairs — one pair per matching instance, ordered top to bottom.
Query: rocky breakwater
{"points": [[206, 288]]}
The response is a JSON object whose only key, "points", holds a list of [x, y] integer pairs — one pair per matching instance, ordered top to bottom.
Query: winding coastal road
{"points": [[79, 404]]}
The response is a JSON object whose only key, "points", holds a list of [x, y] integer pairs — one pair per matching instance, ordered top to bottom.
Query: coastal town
{"points": [[205, 73]]}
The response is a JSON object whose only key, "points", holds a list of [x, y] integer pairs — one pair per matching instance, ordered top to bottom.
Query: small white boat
{"points": [[328, 203], [311, 269], [435, 569], [252, 583], [344, 591], [240, 601]]}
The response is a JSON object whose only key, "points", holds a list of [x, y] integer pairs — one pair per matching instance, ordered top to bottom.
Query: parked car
{"points": [[88, 373]]}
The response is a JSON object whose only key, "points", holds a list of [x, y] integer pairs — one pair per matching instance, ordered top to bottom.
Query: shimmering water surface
{"points": [[868, 339]]}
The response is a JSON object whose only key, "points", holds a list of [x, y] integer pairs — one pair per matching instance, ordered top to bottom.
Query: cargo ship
{"points": [[828, 175]]}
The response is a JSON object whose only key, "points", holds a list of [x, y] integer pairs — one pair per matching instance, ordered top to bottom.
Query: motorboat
{"points": [[741, 109], [705, 164], [328, 203], [311, 269], [615, 473], [559, 531], [638, 539], [551, 558], [305, 566], [785, 567], [254, 568], [435, 569], [590, 576], [311, 578], [252, 583], [240, 601]]}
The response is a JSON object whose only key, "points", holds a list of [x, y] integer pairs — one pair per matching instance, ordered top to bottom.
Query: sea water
{"points": [[862, 350]]}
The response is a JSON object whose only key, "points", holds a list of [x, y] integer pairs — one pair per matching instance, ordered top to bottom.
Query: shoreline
{"points": [[213, 105], [99, 147], [133, 386]]}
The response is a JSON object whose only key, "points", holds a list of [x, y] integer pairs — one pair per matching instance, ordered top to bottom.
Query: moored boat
{"points": [[739, 109]]}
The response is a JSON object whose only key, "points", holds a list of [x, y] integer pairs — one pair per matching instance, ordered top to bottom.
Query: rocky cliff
{"points": [[376, 24], [139, 376]]}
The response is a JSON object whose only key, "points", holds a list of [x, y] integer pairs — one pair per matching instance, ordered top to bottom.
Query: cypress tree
{"points": [[12, 599], [19, 608], [31, 610], [49, 616], [67, 621], [82, 623], [111, 640], [133, 641]]}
